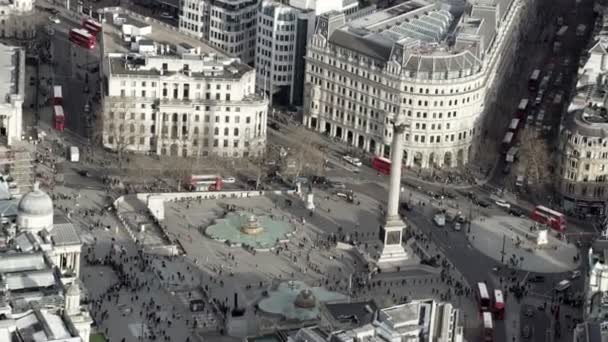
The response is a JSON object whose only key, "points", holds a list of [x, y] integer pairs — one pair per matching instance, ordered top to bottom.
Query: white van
{"points": [[74, 154], [563, 285]]}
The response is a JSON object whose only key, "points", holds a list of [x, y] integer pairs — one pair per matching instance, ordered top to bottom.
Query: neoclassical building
{"points": [[18, 19], [435, 63], [178, 98], [583, 163], [39, 267]]}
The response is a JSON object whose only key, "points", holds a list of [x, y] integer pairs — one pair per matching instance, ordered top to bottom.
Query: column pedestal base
{"points": [[393, 255]]}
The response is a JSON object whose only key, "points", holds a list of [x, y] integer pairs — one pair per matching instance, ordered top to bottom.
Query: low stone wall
{"points": [[155, 201]]}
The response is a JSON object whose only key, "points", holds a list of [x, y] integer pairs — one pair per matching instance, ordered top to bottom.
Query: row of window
{"points": [[364, 72], [207, 86], [387, 95], [185, 117], [434, 139], [583, 140], [236, 143], [598, 192]]}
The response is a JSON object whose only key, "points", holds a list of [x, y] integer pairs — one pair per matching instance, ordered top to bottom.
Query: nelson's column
{"points": [[393, 253]]}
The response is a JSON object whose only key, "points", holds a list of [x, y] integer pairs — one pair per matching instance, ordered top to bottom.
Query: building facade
{"points": [[229, 25], [282, 34], [433, 65], [12, 92], [180, 100], [582, 183], [39, 268]]}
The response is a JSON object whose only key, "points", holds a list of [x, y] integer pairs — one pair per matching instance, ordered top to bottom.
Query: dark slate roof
{"points": [[375, 48], [586, 123]]}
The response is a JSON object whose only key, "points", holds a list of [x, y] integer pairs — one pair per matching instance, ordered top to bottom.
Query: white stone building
{"points": [[18, 19], [229, 25], [435, 65], [12, 93], [182, 98], [583, 163], [39, 267], [417, 321]]}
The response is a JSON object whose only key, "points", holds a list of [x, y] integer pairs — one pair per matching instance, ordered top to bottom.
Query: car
{"points": [[166, 15], [54, 19], [559, 79], [352, 160], [84, 173], [229, 180], [319, 180], [338, 185], [449, 194], [503, 203], [483, 204], [406, 206], [516, 212], [461, 219], [575, 275], [536, 279], [563, 285]]}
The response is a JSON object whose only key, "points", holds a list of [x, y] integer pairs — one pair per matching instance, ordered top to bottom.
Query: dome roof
{"points": [[36, 202]]}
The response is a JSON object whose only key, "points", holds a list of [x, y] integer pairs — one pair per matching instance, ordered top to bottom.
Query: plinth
{"points": [[393, 253]]}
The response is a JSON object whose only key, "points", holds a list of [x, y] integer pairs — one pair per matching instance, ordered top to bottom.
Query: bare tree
{"points": [[115, 135], [307, 155], [536, 156]]}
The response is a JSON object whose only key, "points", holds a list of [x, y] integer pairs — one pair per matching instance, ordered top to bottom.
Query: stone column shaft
{"points": [[395, 180]]}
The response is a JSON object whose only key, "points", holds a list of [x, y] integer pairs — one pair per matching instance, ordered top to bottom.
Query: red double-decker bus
{"points": [[92, 26], [82, 38], [534, 79], [57, 96], [522, 109], [58, 118], [507, 142], [382, 165], [204, 183], [550, 217], [483, 296], [499, 305], [488, 326]]}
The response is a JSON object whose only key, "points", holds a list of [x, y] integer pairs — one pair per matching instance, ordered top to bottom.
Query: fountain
{"points": [[252, 226], [260, 232], [294, 300]]}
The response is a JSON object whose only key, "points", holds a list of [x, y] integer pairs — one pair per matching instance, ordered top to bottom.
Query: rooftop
{"points": [[116, 18], [435, 39], [136, 45], [589, 121], [402, 314]]}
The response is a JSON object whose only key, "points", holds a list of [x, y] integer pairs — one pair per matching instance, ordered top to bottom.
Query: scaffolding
{"points": [[17, 167]]}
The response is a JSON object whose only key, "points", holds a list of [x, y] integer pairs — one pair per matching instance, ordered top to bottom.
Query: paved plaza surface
{"points": [[520, 246]]}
